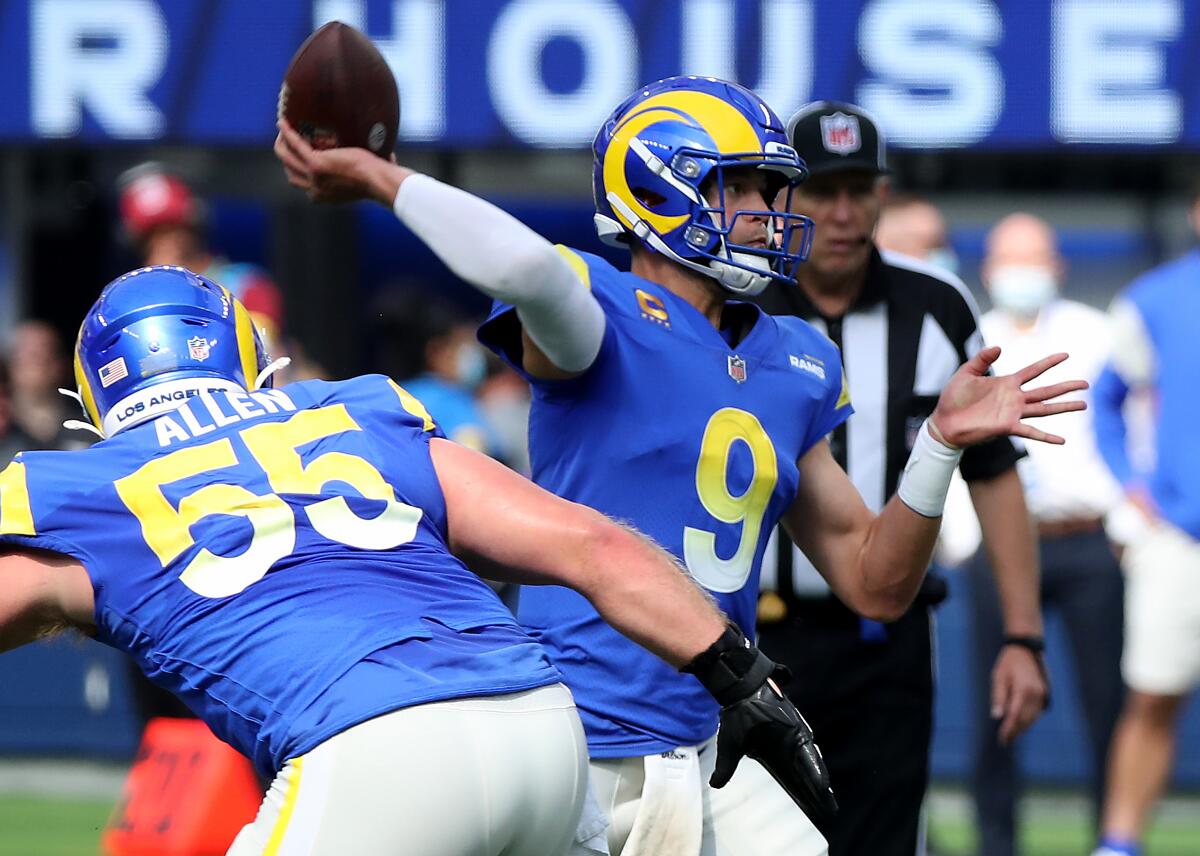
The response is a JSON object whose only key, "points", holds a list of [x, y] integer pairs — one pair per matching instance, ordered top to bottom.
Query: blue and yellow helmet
{"points": [[670, 141], [157, 336]]}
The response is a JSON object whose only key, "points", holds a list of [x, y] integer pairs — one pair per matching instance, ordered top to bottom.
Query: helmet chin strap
{"points": [[739, 280], [270, 369], [78, 424]]}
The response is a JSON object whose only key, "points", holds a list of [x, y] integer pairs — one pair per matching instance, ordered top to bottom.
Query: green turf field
{"points": [[39, 826], [1065, 836]]}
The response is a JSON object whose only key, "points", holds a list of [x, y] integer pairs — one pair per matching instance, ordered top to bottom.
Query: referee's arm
{"points": [[1019, 686]]}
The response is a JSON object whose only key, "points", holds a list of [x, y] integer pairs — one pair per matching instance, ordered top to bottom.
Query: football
{"points": [[338, 91]]}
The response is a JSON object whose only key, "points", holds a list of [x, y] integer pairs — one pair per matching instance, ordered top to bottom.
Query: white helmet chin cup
{"points": [[610, 231], [741, 281]]}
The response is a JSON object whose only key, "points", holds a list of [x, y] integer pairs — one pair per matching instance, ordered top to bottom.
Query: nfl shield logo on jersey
{"points": [[840, 134], [198, 348], [737, 368]]}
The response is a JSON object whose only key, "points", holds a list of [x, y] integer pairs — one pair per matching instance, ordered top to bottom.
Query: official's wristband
{"points": [[1035, 644]]}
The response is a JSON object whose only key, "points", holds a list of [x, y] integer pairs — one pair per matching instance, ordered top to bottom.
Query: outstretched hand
{"points": [[336, 175], [975, 406]]}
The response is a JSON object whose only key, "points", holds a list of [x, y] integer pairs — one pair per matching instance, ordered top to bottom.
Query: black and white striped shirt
{"points": [[905, 335]]}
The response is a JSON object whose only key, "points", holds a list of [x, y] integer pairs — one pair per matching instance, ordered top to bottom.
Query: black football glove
{"points": [[759, 722]]}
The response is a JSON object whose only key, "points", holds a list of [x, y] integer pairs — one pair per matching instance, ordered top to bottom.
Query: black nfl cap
{"points": [[833, 136]]}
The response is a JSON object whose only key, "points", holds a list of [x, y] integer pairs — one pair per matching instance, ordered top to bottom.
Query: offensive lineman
{"points": [[699, 419], [282, 560]]}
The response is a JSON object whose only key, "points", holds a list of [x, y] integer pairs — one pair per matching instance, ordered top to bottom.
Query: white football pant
{"points": [[480, 776]]}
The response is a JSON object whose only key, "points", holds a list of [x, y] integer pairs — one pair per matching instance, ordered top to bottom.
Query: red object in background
{"points": [[154, 198], [187, 794]]}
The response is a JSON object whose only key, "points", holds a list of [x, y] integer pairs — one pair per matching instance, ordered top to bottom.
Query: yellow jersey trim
{"points": [[577, 264], [844, 395], [410, 403], [16, 516]]}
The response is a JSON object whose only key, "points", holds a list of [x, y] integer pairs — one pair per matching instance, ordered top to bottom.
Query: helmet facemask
{"points": [[668, 143], [742, 268]]}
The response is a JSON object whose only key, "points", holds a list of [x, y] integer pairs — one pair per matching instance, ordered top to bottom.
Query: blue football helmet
{"points": [[669, 142], [157, 336]]}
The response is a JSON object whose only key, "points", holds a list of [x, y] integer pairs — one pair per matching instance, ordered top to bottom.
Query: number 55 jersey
{"points": [[691, 440], [278, 559]]}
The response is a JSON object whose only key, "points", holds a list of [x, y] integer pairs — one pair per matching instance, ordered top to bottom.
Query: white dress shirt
{"points": [[1061, 482]]}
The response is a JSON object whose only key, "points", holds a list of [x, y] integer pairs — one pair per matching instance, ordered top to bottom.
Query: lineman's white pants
{"points": [[468, 777]]}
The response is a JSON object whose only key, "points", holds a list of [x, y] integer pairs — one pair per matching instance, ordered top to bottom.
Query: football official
{"points": [[903, 327]]}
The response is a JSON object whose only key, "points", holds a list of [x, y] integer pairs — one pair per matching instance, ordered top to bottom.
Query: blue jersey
{"points": [[1167, 302], [696, 444], [278, 559]]}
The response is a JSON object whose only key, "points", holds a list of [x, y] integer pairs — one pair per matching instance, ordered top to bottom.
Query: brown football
{"points": [[338, 91]]}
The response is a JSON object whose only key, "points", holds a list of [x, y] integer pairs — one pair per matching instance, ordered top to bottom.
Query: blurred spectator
{"points": [[166, 222], [914, 227], [430, 347], [1155, 351], [37, 368], [504, 400], [13, 438], [1069, 493]]}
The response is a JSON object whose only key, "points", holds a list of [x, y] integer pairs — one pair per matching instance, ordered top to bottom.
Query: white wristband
{"points": [[926, 478]]}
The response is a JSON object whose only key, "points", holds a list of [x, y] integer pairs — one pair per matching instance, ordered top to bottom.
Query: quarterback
{"points": [[659, 400], [285, 561]]}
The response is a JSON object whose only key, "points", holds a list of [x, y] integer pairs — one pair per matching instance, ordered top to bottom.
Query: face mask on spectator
{"points": [[943, 258], [1022, 289], [470, 366]]}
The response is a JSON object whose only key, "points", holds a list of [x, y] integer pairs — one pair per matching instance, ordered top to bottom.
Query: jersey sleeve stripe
{"points": [[577, 264], [844, 395], [410, 403], [16, 516]]}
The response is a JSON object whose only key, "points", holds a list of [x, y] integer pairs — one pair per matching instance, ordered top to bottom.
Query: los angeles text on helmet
{"points": [[198, 410]]}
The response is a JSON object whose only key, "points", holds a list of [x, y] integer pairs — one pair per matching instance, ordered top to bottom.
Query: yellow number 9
{"points": [[727, 426]]}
